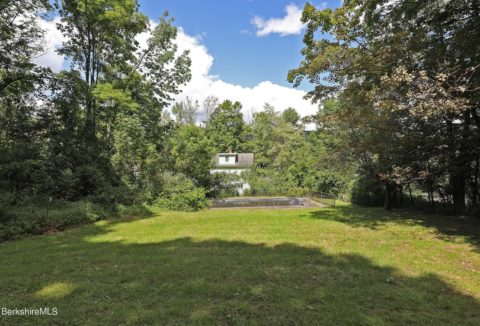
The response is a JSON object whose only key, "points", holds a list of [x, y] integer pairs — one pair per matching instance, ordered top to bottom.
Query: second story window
{"points": [[228, 159]]}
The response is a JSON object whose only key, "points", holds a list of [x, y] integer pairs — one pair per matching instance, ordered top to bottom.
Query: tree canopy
{"points": [[405, 75], [396, 83]]}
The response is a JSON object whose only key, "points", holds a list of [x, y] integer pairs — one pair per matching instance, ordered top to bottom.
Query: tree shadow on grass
{"points": [[447, 227], [184, 281]]}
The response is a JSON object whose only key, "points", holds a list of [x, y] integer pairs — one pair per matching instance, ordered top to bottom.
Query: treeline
{"points": [[397, 83], [400, 85], [83, 131], [96, 138], [288, 159]]}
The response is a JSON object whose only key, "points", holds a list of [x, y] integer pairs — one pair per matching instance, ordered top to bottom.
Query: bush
{"points": [[89, 180], [330, 182], [225, 185], [368, 191], [180, 193], [112, 196], [133, 211], [476, 211], [16, 222]]}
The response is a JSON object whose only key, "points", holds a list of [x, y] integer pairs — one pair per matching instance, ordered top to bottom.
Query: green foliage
{"points": [[100, 32], [99, 35], [20, 39], [165, 68], [403, 75], [397, 84], [22, 86], [120, 98], [185, 112], [291, 115], [226, 127], [96, 131], [131, 151], [191, 154], [289, 160], [330, 181], [225, 184], [368, 191], [180, 193], [110, 196], [132, 211], [41, 214], [26, 220]]}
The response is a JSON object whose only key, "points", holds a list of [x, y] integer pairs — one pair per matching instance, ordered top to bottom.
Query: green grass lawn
{"points": [[329, 266]]}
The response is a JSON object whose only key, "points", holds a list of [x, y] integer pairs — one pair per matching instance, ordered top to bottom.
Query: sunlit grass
{"points": [[339, 265], [55, 290]]}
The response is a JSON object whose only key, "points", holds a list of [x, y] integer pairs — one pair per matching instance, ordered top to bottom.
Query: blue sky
{"points": [[226, 29], [241, 50]]}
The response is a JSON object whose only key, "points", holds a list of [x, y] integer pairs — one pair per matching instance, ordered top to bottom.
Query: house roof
{"points": [[244, 160]]}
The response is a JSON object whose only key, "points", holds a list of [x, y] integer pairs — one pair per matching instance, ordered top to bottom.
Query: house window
{"points": [[230, 159]]}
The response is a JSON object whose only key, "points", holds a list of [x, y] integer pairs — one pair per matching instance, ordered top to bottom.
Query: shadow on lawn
{"points": [[447, 227], [183, 281]]}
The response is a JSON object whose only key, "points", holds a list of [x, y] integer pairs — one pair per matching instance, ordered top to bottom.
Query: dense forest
{"points": [[400, 83], [397, 84]]}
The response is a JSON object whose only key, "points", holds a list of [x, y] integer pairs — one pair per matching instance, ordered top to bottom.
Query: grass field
{"points": [[330, 266]]}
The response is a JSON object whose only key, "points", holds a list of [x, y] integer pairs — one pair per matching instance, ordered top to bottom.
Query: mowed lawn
{"points": [[327, 266]]}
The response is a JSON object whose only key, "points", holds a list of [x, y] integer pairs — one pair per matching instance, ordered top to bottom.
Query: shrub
{"points": [[89, 180], [330, 182], [225, 185], [368, 191], [180, 193], [112, 196], [6, 199], [132, 211], [476, 211], [20, 221]]}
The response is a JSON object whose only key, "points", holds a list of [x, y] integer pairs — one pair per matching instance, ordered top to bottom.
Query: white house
{"points": [[234, 163]]}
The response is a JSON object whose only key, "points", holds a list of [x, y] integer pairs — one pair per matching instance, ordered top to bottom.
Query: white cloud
{"points": [[290, 24], [53, 41], [204, 84]]}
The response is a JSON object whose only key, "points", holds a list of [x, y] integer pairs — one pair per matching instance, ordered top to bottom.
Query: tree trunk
{"points": [[91, 71], [459, 160], [459, 177], [475, 183], [458, 191], [410, 193], [475, 193], [393, 195], [401, 195], [388, 196], [431, 199]]}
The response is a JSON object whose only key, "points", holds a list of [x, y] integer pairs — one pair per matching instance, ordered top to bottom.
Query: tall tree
{"points": [[99, 34], [20, 40], [387, 62], [126, 87], [22, 90], [209, 105], [185, 112], [291, 115], [226, 127], [191, 153], [284, 158]]}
